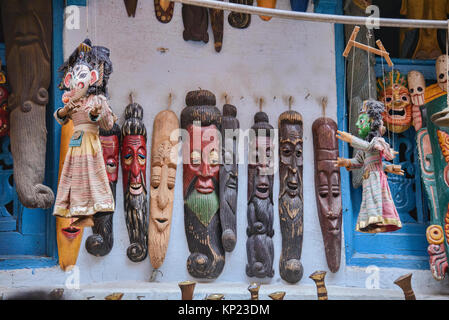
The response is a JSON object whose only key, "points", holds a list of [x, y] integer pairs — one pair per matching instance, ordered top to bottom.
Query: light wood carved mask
{"points": [[164, 154]]}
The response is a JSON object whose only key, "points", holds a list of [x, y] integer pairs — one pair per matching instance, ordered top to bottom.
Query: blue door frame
{"points": [[49, 257]]}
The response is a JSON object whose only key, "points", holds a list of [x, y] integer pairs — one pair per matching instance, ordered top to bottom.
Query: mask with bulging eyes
{"points": [[442, 71], [416, 86]]}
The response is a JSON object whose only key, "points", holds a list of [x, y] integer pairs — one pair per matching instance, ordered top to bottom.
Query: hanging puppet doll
{"points": [[84, 188], [377, 211]]}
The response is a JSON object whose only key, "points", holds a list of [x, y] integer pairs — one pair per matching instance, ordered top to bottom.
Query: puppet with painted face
{"points": [[394, 94], [4, 114], [202, 121], [134, 168], [162, 185], [84, 188], [327, 188], [291, 204], [377, 211], [101, 241], [259, 246]]}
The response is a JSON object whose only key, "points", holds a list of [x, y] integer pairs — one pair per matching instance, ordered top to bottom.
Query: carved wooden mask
{"points": [[164, 10], [237, 19], [196, 23], [442, 71], [202, 120], [134, 161], [162, 185], [328, 188], [291, 203], [69, 242], [259, 245]]}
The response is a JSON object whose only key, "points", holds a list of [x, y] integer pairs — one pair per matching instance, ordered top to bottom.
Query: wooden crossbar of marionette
{"points": [[380, 52]]}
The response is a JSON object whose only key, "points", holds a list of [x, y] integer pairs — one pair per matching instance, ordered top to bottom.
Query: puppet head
{"points": [[441, 66], [416, 86], [392, 90], [370, 122], [134, 164]]}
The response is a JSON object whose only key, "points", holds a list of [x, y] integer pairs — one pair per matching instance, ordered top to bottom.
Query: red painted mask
{"points": [[110, 146], [204, 159], [134, 163]]}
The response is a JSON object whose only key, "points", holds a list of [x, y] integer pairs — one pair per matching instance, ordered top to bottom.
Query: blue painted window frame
{"points": [[50, 258], [354, 258]]}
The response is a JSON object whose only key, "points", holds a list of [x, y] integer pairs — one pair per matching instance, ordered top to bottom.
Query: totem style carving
{"points": [[266, 4], [299, 5], [131, 6], [164, 10], [237, 19], [217, 21], [196, 22], [27, 29], [423, 43], [4, 94], [394, 94], [202, 120], [134, 164], [229, 177], [162, 184], [84, 186], [328, 188], [291, 202], [101, 241], [259, 246], [437, 253], [318, 278], [405, 283]]}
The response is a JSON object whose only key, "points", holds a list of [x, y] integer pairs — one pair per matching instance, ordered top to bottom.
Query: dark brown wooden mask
{"points": [[196, 22], [328, 188], [290, 195]]}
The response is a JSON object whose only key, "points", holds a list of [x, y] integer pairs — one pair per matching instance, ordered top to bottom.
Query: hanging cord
{"points": [[87, 18], [369, 36], [447, 66], [352, 86], [290, 100], [169, 101], [260, 104]]}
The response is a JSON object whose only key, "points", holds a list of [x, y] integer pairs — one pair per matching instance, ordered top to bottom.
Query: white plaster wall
{"points": [[272, 60]]}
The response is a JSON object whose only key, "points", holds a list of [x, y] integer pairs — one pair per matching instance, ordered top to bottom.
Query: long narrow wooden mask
{"points": [[271, 4], [164, 10], [237, 19], [217, 21], [196, 22], [202, 120], [162, 184], [328, 188], [291, 204], [259, 245]]}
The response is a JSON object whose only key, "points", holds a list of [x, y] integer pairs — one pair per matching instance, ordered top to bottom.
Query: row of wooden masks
{"points": [[196, 19], [210, 191]]}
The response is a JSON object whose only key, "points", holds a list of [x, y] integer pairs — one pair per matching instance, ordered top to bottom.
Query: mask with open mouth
{"points": [[442, 71], [393, 91], [133, 160], [162, 185], [291, 214], [69, 242], [259, 245]]}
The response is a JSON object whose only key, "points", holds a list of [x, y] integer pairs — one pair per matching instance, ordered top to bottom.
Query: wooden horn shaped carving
{"points": [[266, 4], [131, 6], [164, 10], [237, 19], [217, 21], [196, 22], [27, 29], [202, 120], [133, 160], [229, 177], [162, 185], [328, 188], [291, 212], [259, 246], [318, 278], [405, 283], [187, 289], [253, 289]]}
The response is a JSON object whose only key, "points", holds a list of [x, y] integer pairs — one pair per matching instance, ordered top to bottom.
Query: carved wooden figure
{"points": [[266, 4], [131, 6], [164, 10], [237, 19], [216, 21], [196, 22], [27, 29], [4, 94], [202, 120], [134, 164], [229, 177], [162, 184], [328, 188], [291, 204], [102, 239], [259, 246], [437, 253], [318, 278], [405, 283], [187, 288], [253, 289]]}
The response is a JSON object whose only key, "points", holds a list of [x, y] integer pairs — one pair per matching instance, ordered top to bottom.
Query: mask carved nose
{"points": [[162, 197]]}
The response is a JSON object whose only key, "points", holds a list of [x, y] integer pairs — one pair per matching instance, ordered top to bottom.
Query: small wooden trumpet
{"points": [[318, 277], [405, 283], [187, 288], [254, 290], [278, 295]]}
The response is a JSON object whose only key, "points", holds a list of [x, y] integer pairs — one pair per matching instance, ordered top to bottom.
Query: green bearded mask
{"points": [[364, 125]]}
